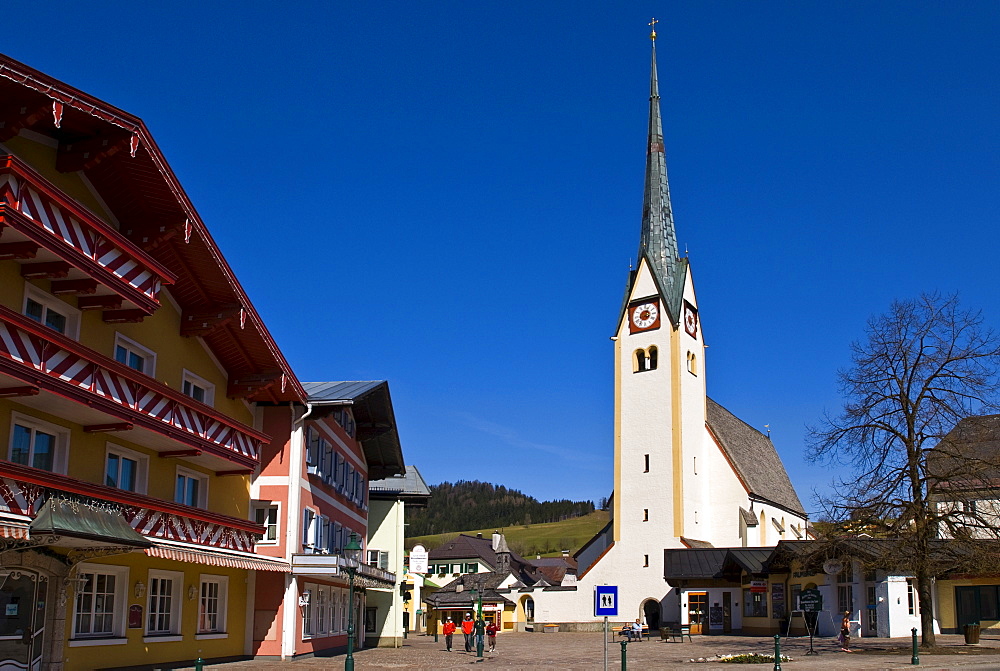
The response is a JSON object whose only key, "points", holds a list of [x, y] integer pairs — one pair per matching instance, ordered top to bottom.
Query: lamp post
{"points": [[352, 555], [478, 596]]}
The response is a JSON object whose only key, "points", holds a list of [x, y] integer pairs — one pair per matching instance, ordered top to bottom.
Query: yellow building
{"points": [[130, 362]]}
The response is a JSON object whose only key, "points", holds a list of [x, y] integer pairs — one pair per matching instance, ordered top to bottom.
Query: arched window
{"points": [[651, 356], [639, 361], [692, 362]]}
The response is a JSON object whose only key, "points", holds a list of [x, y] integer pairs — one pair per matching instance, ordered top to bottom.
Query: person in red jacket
{"points": [[468, 627], [449, 633], [491, 635]]}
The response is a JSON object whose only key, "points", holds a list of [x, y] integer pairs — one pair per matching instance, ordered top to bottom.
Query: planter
{"points": [[554, 629]]}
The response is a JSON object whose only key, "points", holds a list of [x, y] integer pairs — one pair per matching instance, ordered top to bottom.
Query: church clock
{"points": [[644, 315], [690, 319]]}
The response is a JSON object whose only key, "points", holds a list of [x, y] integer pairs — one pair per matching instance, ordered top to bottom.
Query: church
{"points": [[687, 472]]}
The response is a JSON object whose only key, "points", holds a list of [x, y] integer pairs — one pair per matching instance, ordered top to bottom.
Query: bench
{"points": [[624, 631], [674, 631]]}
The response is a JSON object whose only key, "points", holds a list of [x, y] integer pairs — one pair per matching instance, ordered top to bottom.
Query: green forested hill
{"points": [[479, 505], [549, 538]]}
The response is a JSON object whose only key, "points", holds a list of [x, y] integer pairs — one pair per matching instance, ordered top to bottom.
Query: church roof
{"points": [[658, 240], [753, 456]]}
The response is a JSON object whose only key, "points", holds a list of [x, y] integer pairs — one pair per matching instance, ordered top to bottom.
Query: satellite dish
{"points": [[833, 566]]}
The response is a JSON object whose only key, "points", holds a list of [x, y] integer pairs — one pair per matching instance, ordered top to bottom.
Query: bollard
{"points": [[405, 632], [435, 635], [777, 652], [624, 656], [915, 659], [200, 664]]}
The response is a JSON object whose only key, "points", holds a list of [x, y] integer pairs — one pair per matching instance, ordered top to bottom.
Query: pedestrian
{"points": [[468, 626], [635, 630], [480, 631], [845, 632], [449, 633], [491, 634]]}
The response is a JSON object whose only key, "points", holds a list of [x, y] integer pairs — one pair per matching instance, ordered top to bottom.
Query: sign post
{"points": [[811, 602], [606, 605]]}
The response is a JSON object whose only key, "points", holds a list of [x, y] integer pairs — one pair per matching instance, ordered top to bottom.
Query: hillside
{"points": [[470, 504], [548, 538]]}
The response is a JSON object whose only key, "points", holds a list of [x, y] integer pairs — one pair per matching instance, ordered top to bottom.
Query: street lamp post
{"points": [[352, 555], [478, 596]]}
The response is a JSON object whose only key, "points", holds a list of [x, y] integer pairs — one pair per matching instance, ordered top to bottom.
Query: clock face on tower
{"points": [[644, 315], [691, 319]]}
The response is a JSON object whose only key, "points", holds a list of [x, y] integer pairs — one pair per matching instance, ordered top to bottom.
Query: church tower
{"points": [[659, 373]]}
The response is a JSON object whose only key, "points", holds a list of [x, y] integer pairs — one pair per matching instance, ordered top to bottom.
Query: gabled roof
{"points": [[118, 156], [374, 419], [753, 456], [464, 546]]}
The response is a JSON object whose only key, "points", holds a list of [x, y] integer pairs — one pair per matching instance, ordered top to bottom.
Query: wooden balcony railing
{"points": [[50, 219], [42, 357], [24, 489]]}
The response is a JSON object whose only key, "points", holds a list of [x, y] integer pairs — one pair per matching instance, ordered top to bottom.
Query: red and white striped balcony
{"points": [[38, 222], [89, 388], [23, 490]]}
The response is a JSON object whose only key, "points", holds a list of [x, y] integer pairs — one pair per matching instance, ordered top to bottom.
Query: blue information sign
{"points": [[606, 601]]}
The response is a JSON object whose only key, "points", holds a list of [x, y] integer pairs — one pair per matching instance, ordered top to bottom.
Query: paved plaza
{"points": [[586, 651]]}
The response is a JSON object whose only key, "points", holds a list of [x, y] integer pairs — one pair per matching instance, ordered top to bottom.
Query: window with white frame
{"points": [[48, 310], [134, 355], [197, 388], [39, 444], [312, 450], [125, 469], [191, 488], [266, 515], [309, 522], [912, 599], [164, 603], [212, 604], [307, 608], [99, 609], [320, 612]]}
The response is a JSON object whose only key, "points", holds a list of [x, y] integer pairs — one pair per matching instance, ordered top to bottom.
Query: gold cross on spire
{"points": [[652, 24]]}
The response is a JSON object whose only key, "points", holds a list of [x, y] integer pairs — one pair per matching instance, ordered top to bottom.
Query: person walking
{"points": [[468, 627], [845, 632], [449, 633], [480, 633], [491, 635]]}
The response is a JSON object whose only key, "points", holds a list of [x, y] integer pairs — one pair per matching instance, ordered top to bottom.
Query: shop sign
{"points": [[418, 559], [758, 586], [810, 600]]}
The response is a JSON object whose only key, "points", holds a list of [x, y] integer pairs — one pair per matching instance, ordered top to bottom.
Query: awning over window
{"points": [[83, 523], [217, 559]]}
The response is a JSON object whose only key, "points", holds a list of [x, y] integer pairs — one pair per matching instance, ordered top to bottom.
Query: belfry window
{"points": [[651, 356], [639, 361], [692, 363]]}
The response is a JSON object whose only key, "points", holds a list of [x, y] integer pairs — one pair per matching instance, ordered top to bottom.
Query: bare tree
{"points": [[925, 365]]}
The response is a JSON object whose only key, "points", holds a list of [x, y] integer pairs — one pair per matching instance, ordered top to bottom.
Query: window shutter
{"points": [[383, 561]]}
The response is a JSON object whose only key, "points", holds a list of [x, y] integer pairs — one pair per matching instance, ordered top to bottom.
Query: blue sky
{"points": [[448, 195]]}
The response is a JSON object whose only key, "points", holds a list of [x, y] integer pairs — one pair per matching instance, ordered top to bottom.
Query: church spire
{"points": [[658, 241]]}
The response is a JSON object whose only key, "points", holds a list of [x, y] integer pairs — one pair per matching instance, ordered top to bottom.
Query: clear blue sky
{"points": [[447, 195]]}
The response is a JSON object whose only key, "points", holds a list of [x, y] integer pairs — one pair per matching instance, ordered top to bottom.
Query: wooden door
{"points": [[697, 611]]}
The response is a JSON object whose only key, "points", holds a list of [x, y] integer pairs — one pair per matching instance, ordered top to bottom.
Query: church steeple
{"points": [[658, 241]]}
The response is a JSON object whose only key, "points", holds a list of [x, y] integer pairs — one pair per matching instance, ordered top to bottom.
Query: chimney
{"points": [[479, 535], [496, 540], [565, 553]]}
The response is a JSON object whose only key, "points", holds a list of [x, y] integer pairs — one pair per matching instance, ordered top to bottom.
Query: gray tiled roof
{"points": [[753, 456], [409, 484]]}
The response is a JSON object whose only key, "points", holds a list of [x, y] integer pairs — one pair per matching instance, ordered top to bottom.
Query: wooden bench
{"points": [[624, 631], [675, 631]]}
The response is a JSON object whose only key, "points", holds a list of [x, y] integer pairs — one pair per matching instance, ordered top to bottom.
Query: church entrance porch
{"points": [[651, 611]]}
